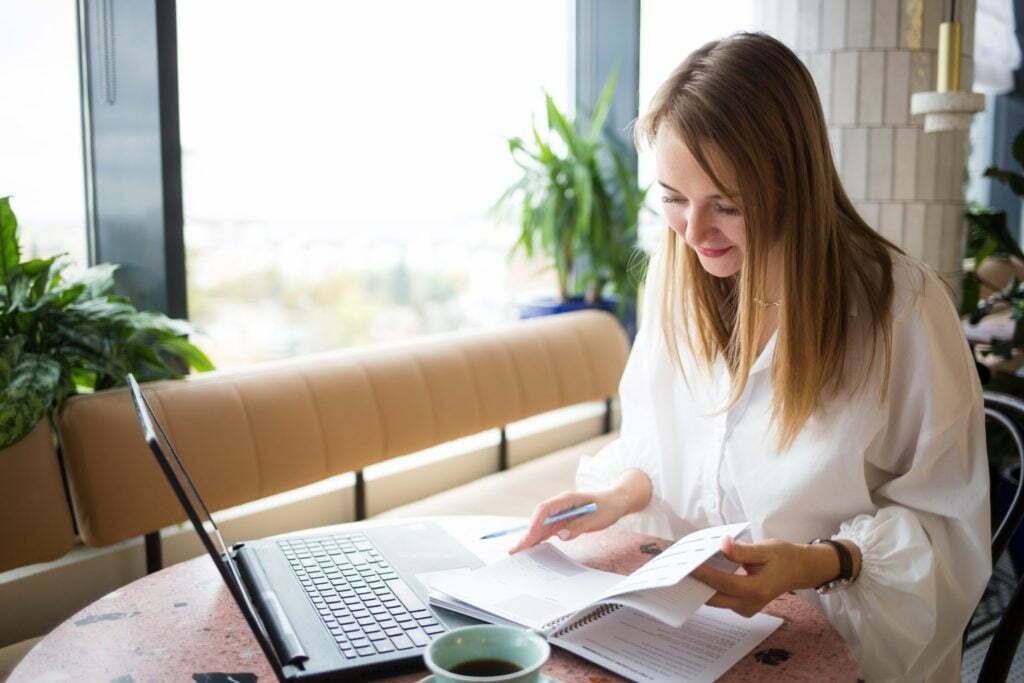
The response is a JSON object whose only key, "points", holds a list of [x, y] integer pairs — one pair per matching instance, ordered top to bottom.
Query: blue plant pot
{"points": [[552, 306]]}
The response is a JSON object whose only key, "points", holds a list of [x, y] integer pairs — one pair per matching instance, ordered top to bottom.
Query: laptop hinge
{"points": [[279, 627]]}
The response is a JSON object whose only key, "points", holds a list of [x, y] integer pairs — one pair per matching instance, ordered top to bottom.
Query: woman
{"points": [[797, 371]]}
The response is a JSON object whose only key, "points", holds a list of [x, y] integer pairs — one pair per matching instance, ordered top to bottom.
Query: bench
{"points": [[253, 432]]}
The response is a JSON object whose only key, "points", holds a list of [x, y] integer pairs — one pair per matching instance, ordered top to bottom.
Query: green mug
{"points": [[504, 654]]}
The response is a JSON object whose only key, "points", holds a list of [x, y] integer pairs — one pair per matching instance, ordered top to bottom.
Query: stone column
{"points": [[867, 57]]}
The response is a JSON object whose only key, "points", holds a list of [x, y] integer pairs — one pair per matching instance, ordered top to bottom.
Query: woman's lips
{"points": [[712, 253]]}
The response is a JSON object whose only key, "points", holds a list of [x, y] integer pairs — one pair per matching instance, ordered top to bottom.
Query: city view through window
{"points": [[41, 127], [339, 161]]}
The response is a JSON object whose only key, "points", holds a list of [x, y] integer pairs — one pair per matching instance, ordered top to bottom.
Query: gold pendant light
{"points": [[948, 108]]}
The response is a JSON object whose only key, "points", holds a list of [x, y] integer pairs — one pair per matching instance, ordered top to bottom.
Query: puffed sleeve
{"points": [[637, 444], [926, 548]]}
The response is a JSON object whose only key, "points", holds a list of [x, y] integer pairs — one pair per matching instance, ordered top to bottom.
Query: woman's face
{"points": [[710, 223]]}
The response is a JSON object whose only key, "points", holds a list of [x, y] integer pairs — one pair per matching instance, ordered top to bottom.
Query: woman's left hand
{"points": [[773, 567]]}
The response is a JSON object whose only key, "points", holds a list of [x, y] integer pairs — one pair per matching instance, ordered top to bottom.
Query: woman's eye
{"points": [[673, 200], [727, 210]]}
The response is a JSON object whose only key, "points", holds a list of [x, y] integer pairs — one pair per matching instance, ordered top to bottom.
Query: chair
{"points": [[1008, 412]]}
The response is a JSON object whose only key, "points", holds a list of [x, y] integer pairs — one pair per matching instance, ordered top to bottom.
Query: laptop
{"points": [[338, 606]]}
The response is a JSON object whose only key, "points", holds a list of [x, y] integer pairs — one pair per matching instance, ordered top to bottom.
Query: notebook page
{"points": [[678, 560], [531, 588], [671, 605], [642, 649]]}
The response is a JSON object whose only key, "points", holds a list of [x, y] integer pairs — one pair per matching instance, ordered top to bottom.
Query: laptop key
{"points": [[406, 595], [408, 625], [435, 629], [393, 631], [379, 635], [418, 637], [401, 642], [384, 646]]}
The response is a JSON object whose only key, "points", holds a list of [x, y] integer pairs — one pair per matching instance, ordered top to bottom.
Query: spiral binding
{"points": [[589, 617]]}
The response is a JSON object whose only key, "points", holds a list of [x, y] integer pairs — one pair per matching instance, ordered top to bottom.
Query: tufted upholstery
{"points": [[257, 431], [35, 521]]}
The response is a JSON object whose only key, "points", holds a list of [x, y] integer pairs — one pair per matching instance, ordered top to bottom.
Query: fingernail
{"points": [[565, 534]]}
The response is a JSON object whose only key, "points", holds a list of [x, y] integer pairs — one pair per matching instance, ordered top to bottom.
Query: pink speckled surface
{"points": [[182, 620]]}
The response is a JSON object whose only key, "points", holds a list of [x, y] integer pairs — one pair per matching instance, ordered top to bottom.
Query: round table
{"points": [[181, 624]]}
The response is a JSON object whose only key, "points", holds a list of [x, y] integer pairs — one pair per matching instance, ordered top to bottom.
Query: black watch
{"points": [[845, 577]]}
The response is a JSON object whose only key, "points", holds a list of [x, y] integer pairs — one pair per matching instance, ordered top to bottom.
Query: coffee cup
{"points": [[498, 654]]}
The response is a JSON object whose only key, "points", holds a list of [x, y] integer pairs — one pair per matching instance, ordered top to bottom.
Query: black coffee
{"points": [[486, 667]]}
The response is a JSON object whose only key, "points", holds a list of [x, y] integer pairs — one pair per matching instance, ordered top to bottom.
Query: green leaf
{"points": [[604, 103], [557, 123], [1018, 147], [546, 155], [1014, 180], [582, 184], [994, 225], [10, 253], [98, 280], [971, 293], [69, 294], [188, 352], [27, 397]]}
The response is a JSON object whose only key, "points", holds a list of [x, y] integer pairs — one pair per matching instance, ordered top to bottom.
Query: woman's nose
{"points": [[698, 226]]}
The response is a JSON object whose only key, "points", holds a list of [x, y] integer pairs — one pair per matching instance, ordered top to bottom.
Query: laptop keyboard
{"points": [[362, 601]]}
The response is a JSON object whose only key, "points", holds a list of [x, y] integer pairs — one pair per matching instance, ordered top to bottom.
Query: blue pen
{"points": [[567, 514]]}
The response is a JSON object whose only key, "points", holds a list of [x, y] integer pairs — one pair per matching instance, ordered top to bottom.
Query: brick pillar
{"points": [[867, 57]]}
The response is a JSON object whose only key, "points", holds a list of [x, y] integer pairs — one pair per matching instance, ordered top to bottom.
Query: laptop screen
{"points": [[155, 432], [195, 508]]}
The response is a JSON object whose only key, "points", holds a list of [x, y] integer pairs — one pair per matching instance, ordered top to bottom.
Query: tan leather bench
{"points": [[261, 430], [256, 431], [35, 520]]}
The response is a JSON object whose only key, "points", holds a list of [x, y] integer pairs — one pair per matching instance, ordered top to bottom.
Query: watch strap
{"points": [[845, 565]]}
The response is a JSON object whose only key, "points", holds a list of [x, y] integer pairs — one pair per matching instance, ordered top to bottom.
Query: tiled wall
{"points": [[867, 57]]}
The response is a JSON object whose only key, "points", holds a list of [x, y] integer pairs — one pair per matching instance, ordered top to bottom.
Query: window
{"points": [[41, 128], [339, 160]]}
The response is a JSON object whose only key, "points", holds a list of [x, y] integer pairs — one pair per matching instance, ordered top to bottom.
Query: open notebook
{"points": [[651, 625]]}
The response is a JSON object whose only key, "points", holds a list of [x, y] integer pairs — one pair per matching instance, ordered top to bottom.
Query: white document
{"points": [[531, 588], [542, 588], [651, 625], [642, 649]]}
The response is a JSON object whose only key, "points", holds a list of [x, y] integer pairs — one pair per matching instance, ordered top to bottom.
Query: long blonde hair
{"points": [[749, 100]]}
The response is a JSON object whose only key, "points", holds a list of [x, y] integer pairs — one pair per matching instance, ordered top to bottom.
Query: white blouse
{"points": [[905, 478]]}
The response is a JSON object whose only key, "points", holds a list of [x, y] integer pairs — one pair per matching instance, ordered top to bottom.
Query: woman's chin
{"points": [[722, 267]]}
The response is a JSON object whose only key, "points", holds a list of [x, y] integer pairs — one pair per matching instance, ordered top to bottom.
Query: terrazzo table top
{"points": [[181, 624]]}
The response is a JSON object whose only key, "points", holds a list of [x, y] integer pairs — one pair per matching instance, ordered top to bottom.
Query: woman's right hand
{"points": [[630, 494]]}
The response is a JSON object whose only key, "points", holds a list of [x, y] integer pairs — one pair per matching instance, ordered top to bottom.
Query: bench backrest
{"points": [[257, 431], [35, 520]]}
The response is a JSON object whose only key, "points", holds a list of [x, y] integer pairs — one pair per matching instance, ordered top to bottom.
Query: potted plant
{"points": [[577, 203], [993, 297], [993, 308], [63, 336]]}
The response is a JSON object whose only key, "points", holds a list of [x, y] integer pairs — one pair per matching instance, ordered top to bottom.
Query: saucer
{"points": [[543, 679]]}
